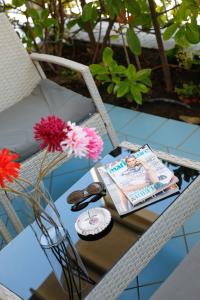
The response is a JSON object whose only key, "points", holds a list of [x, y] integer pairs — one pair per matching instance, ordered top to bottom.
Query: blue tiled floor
{"points": [[142, 127], [172, 133], [163, 134], [167, 260], [147, 291]]}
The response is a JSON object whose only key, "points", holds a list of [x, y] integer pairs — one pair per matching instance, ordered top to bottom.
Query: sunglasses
{"points": [[95, 190]]}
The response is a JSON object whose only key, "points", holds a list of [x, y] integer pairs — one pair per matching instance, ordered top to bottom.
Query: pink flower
{"points": [[50, 131], [76, 140], [95, 145]]}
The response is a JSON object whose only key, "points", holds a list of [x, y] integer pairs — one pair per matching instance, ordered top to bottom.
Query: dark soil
{"points": [[164, 107]]}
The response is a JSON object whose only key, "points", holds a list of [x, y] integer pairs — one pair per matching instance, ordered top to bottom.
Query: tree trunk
{"points": [[89, 29], [163, 57]]}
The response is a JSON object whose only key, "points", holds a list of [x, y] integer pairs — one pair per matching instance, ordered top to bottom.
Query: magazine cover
{"points": [[141, 175], [121, 202]]}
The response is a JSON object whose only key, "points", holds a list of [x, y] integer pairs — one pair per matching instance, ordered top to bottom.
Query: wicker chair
{"points": [[19, 75]]}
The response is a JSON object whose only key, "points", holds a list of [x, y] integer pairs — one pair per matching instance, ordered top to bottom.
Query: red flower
{"points": [[50, 132], [9, 169]]}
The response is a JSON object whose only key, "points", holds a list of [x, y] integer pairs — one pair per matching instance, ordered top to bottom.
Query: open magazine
{"points": [[137, 179]]}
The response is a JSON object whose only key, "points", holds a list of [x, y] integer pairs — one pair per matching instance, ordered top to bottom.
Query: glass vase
{"points": [[56, 242]]}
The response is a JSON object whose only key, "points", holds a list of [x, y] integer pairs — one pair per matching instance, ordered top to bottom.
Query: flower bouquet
{"points": [[65, 139]]}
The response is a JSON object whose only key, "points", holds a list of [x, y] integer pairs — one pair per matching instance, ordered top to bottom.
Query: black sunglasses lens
{"points": [[94, 188], [96, 197], [78, 207]]}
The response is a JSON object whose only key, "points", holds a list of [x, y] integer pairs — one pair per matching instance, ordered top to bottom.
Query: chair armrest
{"points": [[59, 61]]}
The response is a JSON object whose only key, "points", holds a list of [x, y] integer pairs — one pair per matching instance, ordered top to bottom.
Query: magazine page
{"points": [[141, 175], [121, 202]]}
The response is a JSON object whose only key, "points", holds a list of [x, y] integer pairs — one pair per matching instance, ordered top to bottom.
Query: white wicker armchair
{"points": [[19, 75]]}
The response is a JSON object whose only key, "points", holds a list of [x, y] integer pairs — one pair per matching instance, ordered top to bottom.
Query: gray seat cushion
{"points": [[48, 98], [184, 282]]}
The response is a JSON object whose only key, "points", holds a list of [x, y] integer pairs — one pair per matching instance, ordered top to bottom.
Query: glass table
{"points": [[114, 259]]}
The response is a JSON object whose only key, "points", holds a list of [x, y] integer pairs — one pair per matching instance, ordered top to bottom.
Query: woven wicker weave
{"points": [[19, 74]]}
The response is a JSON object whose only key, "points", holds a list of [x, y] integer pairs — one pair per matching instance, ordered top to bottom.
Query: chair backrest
{"points": [[18, 75]]}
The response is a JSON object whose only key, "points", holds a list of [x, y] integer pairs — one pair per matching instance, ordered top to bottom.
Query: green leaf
{"points": [[18, 3], [113, 7], [132, 7], [89, 12], [182, 12], [33, 13], [44, 13], [143, 19], [49, 22], [71, 23], [38, 30], [170, 31], [192, 33], [114, 37], [180, 38], [133, 42], [107, 56], [113, 66], [98, 69], [120, 70], [131, 72], [143, 74], [103, 77], [115, 79], [110, 88], [142, 88], [123, 89], [135, 92]]}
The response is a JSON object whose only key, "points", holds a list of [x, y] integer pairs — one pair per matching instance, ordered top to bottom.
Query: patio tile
{"points": [[108, 106], [121, 116], [143, 126], [173, 133], [141, 142], [192, 144], [107, 145], [184, 154], [61, 183], [193, 224], [179, 232], [192, 240], [164, 262], [133, 284], [147, 291], [129, 295]]}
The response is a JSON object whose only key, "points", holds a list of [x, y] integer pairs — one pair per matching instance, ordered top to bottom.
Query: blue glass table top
{"points": [[24, 267]]}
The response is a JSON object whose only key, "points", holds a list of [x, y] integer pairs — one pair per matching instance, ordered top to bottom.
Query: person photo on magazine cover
{"points": [[143, 175]]}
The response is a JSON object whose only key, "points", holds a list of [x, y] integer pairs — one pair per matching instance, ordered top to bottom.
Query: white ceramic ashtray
{"points": [[93, 221]]}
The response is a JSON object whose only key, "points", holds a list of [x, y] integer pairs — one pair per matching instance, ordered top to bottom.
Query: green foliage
{"points": [[185, 29], [133, 42], [122, 81], [189, 90]]}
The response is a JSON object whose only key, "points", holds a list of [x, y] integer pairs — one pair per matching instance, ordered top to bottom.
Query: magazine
{"points": [[141, 175], [121, 202]]}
